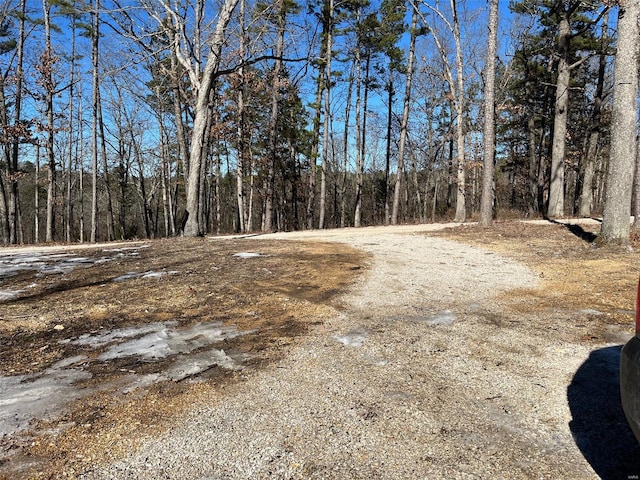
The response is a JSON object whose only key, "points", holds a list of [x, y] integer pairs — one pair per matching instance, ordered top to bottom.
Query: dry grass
{"points": [[575, 275], [278, 295]]}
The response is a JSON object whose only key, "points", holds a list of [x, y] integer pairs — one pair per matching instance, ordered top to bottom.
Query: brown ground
{"points": [[575, 273], [279, 295]]}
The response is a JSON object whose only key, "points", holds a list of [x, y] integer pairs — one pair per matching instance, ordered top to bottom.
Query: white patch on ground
{"points": [[125, 249], [248, 255], [53, 263], [148, 274], [159, 274], [127, 276], [6, 295], [445, 317], [354, 338], [99, 340], [157, 340], [165, 341], [191, 365], [46, 395], [24, 397]]}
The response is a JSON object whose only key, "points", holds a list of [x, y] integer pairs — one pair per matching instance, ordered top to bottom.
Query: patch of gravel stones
{"points": [[423, 375]]}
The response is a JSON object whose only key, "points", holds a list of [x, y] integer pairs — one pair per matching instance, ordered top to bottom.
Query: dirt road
{"points": [[432, 368]]}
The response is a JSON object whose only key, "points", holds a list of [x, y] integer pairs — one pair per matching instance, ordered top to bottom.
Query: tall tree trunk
{"points": [[47, 62], [72, 79], [201, 108], [327, 112], [405, 118], [273, 123], [94, 127], [489, 131], [241, 132], [359, 134], [363, 134], [181, 137], [345, 153], [622, 158], [387, 162], [534, 164], [6, 173], [252, 179], [556, 186], [142, 189], [586, 193], [36, 199], [311, 199], [461, 202], [167, 209], [4, 210], [419, 213], [14, 219], [111, 231], [81, 236]]}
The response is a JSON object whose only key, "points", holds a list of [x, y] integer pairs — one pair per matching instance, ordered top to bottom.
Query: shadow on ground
{"points": [[598, 424]]}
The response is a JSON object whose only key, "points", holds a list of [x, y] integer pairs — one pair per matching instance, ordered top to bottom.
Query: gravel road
{"points": [[424, 373]]}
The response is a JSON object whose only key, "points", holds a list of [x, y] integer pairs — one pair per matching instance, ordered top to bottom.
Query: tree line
{"points": [[149, 118]]}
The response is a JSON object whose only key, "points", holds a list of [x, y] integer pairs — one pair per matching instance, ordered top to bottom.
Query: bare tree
{"points": [[565, 11], [281, 17], [187, 53], [46, 67], [456, 86], [405, 116], [94, 129], [242, 130], [489, 131], [326, 132], [586, 193], [617, 206], [13, 217]]}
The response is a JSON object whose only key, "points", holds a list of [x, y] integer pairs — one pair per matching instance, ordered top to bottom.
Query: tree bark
{"points": [[47, 61], [72, 77], [327, 113], [405, 118], [273, 123], [94, 128], [489, 131], [241, 132], [181, 137], [345, 152], [197, 155], [359, 157], [387, 162], [534, 165], [556, 187], [586, 193], [36, 199], [311, 199], [461, 202], [617, 207], [111, 231], [15, 233]]}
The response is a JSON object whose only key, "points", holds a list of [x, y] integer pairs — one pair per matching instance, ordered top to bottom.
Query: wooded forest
{"points": [[126, 119]]}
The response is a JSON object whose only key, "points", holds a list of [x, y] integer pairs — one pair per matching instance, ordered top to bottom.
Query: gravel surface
{"points": [[424, 373]]}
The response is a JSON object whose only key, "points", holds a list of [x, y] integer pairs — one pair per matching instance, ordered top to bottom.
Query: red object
{"points": [[638, 311]]}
